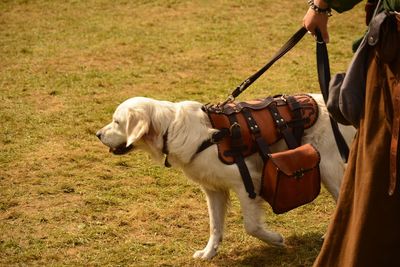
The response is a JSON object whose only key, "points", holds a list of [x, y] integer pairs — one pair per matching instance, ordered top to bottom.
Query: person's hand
{"points": [[313, 20]]}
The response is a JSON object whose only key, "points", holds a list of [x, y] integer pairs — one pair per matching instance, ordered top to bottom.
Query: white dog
{"points": [[178, 129]]}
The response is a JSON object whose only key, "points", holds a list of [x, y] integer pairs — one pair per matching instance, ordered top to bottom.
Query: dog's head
{"points": [[130, 123]]}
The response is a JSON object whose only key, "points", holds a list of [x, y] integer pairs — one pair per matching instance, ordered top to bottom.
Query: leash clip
{"points": [[230, 99]]}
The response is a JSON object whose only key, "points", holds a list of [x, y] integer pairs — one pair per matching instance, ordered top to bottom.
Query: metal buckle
{"points": [[230, 99], [235, 124], [281, 124], [213, 139], [299, 173]]}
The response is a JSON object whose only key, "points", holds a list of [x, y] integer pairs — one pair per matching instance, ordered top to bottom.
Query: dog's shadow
{"points": [[300, 250]]}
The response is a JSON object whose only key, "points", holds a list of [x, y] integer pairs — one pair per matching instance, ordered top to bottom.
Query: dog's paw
{"points": [[277, 240], [205, 254]]}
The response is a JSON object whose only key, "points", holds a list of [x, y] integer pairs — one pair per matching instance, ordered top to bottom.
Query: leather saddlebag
{"points": [[291, 178]]}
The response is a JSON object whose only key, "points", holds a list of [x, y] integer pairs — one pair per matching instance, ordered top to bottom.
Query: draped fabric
{"points": [[365, 228]]}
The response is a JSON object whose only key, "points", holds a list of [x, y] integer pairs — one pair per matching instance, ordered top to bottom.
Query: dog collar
{"points": [[165, 149]]}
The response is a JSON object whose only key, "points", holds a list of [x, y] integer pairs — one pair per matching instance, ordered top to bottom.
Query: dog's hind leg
{"points": [[217, 202], [252, 210]]}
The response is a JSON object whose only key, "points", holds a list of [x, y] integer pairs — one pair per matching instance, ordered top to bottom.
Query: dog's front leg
{"points": [[217, 202]]}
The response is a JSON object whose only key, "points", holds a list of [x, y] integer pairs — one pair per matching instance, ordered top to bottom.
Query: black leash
{"points": [[284, 49], [324, 77]]}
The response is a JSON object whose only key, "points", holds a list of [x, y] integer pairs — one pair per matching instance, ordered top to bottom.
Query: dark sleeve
{"points": [[342, 5], [392, 5]]}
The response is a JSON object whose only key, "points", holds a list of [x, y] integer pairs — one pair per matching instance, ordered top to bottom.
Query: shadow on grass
{"points": [[301, 250]]}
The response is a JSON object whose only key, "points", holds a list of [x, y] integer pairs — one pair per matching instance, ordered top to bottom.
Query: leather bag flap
{"points": [[296, 162]]}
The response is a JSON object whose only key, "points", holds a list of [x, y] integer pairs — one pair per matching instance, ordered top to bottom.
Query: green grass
{"points": [[65, 66]]}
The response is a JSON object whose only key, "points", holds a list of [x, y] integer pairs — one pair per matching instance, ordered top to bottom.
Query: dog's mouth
{"points": [[121, 150]]}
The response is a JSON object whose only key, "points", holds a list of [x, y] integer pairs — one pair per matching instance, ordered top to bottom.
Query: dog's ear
{"points": [[137, 126]]}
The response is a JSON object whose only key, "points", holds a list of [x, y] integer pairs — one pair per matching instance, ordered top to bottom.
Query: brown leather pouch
{"points": [[291, 178]]}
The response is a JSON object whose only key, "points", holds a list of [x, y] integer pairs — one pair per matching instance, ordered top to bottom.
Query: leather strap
{"points": [[284, 49], [324, 77], [298, 122], [283, 127], [215, 139], [394, 145], [263, 148], [165, 150], [236, 152]]}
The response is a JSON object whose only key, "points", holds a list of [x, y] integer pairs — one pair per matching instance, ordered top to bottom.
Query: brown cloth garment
{"points": [[365, 229]]}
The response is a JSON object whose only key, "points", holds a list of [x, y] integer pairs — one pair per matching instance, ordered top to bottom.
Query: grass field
{"points": [[65, 66]]}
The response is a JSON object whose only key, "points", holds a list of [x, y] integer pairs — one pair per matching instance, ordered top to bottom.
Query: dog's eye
{"points": [[116, 122]]}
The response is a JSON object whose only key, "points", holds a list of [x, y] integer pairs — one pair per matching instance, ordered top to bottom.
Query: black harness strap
{"points": [[297, 123], [283, 127], [215, 139], [262, 145], [165, 150], [236, 152]]}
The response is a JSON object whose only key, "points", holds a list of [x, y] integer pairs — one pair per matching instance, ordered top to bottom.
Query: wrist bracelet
{"points": [[317, 9]]}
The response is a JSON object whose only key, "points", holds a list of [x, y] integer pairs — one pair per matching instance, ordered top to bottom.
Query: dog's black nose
{"points": [[98, 134]]}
